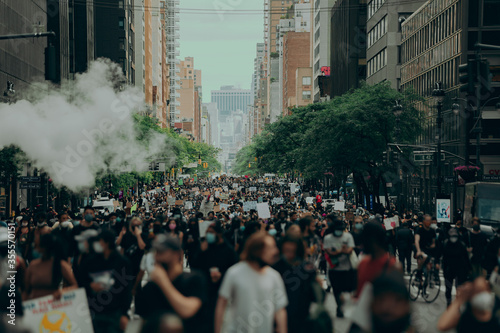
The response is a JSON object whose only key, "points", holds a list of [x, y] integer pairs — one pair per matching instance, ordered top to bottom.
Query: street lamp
{"points": [[438, 94], [398, 111]]}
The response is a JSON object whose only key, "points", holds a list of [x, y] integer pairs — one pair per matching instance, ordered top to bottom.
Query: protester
{"points": [[132, 243], [404, 243], [339, 246], [44, 275], [171, 290], [239, 290]]}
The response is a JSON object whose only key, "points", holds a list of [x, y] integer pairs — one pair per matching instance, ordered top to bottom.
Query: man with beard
{"points": [[171, 290]]}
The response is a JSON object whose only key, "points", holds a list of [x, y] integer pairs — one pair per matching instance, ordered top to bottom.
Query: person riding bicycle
{"points": [[425, 243]]}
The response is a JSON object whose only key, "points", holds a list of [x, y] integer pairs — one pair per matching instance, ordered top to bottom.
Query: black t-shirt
{"points": [[426, 239], [478, 243], [131, 250], [151, 301], [468, 323]]}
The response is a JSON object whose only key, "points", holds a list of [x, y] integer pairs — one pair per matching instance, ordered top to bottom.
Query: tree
{"points": [[344, 136]]}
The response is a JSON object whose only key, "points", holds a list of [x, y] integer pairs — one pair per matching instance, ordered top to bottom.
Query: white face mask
{"points": [[65, 224], [434, 226], [453, 239], [484, 301]]}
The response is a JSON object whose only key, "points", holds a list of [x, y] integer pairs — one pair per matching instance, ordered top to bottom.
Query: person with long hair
{"points": [[45, 274]]}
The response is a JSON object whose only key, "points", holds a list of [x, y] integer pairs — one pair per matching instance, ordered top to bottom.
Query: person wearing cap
{"points": [[339, 245], [214, 259], [456, 263], [105, 274], [171, 290]]}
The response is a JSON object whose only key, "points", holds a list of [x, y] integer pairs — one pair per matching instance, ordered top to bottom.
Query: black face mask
{"points": [[476, 227], [397, 326]]}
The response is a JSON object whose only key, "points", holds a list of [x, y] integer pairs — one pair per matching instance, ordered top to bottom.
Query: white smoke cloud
{"points": [[81, 129]]}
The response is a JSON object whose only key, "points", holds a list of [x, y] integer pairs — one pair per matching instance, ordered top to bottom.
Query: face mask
{"points": [[89, 218], [118, 220], [75, 223], [24, 224], [66, 224], [41, 225], [172, 226], [358, 226], [434, 226], [476, 227], [242, 228], [151, 230], [272, 232], [338, 233], [211, 238], [454, 239], [81, 247], [98, 247], [483, 301], [397, 326]]}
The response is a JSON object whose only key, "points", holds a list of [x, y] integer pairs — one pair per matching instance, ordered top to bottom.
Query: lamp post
{"points": [[438, 93], [398, 111]]}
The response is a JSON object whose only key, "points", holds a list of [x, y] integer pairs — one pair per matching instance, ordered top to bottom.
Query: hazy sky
{"points": [[222, 42]]}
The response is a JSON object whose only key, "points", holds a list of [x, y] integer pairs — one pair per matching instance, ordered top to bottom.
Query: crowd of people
{"points": [[200, 257]]}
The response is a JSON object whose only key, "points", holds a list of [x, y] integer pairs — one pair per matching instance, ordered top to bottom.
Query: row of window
{"points": [[373, 6], [425, 15], [437, 30], [377, 31], [446, 50], [377, 62], [424, 83], [306, 94]]}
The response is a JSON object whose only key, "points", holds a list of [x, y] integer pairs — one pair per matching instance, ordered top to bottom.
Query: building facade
{"points": [[436, 39], [172, 40], [384, 40], [348, 45], [230, 99]]}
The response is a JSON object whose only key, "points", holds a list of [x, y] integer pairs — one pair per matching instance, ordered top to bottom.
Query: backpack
{"points": [[319, 320]]}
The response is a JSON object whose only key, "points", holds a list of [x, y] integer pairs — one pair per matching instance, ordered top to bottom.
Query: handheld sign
{"points": [[263, 210]]}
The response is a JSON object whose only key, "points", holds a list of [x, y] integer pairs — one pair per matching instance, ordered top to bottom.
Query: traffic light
{"points": [[468, 76], [485, 76], [395, 156], [384, 157], [199, 159], [205, 165], [249, 165]]}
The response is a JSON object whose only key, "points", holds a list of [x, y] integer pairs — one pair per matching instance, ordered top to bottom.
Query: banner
{"points": [[253, 189], [171, 201], [278, 201], [179, 202], [188, 205], [249, 205], [224, 206], [339, 206], [263, 210], [443, 210], [391, 223], [69, 314]]}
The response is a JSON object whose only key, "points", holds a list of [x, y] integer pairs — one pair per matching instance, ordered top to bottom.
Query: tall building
{"points": [[58, 22], [114, 33], [172, 34], [81, 35], [384, 39], [436, 39], [320, 42], [348, 45], [144, 49], [296, 53], [21, 60], [230, 99], [213, 114], [189, 119]]}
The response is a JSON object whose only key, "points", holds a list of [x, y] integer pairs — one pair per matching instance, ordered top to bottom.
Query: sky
{"points": [[222, 42]]}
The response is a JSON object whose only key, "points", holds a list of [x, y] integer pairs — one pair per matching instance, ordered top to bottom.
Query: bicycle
{"points": [[425, 282]]}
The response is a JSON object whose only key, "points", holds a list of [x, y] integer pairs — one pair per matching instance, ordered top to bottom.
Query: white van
{"points": [[102, 203]]}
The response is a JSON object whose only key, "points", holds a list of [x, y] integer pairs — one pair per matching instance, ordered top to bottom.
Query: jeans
{"points": [[405, 259], [449, 276]]}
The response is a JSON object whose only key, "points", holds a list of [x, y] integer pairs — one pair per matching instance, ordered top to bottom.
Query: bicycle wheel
{"points": [[414, 285], [432, 286]]}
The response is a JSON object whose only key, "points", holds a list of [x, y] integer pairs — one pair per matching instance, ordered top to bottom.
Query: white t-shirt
{"points": [[148, 263], [343, 263], [254, 298]]}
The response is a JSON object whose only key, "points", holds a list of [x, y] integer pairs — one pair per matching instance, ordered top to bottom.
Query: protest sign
{"points": [[253, 189], [224, 196], [171, 201], [278, 201], [179, 202], [188, 205], [249, 205], [224, 206], [339, 206], [206, 207], [263, 210], [391, 223], [203, 227], [69, 314]]}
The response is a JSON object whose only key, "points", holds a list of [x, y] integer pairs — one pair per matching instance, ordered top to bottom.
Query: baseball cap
{"points": [[166, 242]]}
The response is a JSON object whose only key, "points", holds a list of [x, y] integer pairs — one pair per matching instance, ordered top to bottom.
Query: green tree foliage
{"points": [[346, 135]]}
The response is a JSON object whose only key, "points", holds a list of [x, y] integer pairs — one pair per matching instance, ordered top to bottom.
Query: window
{"points": [[120, 3], [121, 22], [121, 43], [306, 81], [306, 95]]}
